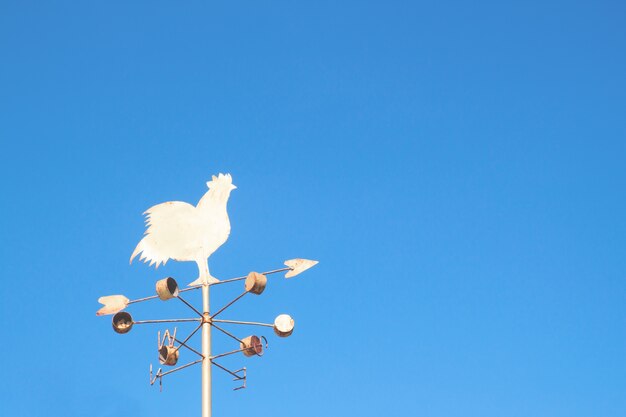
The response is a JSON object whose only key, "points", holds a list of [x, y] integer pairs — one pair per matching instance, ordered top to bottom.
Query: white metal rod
{"points": [[206, 352]]}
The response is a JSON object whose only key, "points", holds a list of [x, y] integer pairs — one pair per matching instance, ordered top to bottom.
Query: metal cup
{"points": [[255, 283], [167, 288], [122, 322], [283, 325], [252, 346], [168, 355]]}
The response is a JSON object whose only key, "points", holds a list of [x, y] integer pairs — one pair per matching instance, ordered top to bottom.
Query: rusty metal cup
{"points": [[255, 283], [167, 288], [122, 322], [251, 346], [168, 355]]}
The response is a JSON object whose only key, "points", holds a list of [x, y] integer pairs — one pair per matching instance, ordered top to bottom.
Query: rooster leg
{"points": [[205, 276]]}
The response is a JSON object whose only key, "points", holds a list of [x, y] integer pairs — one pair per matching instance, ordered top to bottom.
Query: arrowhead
{"points": [[298, 266], [112, 304]]}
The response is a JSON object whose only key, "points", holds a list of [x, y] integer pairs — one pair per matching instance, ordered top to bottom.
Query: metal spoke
{"points": [[276, 270], [244, 277], [228, 280], [195, 287], [152, 297], [142, 299], [230, 304], [190, 306], [165, 321], [249, 323], [226, 333], [189, 337], [188, 347], [227, 353], [179, 368], [233, 373]]}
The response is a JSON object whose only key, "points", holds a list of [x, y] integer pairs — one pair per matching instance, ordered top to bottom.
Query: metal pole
{"points": [[206, 351]]}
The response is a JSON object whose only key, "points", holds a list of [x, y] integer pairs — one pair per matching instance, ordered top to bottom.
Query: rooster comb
{"points": [[220, 180]]}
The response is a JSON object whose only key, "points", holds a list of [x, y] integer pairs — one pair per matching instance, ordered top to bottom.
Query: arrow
{"points": [[297, 266], [294, 267], [117, 303], [112, 304]]}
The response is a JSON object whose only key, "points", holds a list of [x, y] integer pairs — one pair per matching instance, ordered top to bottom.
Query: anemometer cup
{"points": [[255, 283], [167, 288], [122, 322], [283, 325], [252, 346], [168, 355]]}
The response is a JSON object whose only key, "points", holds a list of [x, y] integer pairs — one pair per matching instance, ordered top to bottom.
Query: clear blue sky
{"points": [[458, 168]]}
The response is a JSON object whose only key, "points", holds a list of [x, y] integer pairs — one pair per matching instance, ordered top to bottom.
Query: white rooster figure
{"points": [[180, 231]]}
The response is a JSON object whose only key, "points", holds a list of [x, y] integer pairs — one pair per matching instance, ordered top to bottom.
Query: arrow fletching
{"points": [[298, 266], [112, 304]]}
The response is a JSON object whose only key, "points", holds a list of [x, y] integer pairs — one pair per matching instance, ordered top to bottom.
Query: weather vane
{"points": [[183, 232]]}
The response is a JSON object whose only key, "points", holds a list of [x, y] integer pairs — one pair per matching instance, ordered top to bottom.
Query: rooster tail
{"points": [[136, 252], [148, 254]]}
